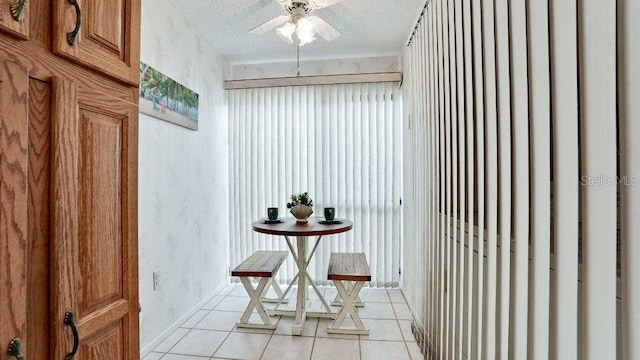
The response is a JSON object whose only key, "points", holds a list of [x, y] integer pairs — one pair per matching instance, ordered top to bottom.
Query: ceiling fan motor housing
{"points": [[298, 9]]}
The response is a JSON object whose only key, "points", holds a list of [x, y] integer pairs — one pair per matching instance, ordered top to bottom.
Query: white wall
{"points": [[183, 179]]}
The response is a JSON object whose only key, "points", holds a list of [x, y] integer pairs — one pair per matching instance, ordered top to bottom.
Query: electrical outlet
{"points": [[156, 280]]}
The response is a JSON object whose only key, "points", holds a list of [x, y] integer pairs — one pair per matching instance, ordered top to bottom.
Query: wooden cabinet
{"points": [[14, 17], [99, 34], [68, 187]]}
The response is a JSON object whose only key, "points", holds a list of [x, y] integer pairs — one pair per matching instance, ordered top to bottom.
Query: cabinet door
{"points": [[14, 17], [107, 35], [14, 90], [94, 265]]}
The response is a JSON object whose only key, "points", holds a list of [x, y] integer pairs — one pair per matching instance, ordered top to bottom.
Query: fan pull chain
{"points": [[298, 64]]}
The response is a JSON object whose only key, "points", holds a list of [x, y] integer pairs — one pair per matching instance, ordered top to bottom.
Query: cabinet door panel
{"points": [[14, 17], [108, 37], [14, 94], [100, 198], [38, 210], [94, 222], [106, 344]]}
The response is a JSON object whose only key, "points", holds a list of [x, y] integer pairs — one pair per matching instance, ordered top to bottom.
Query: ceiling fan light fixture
{"points": [[299, 22], [286, 31], [304, 31]]}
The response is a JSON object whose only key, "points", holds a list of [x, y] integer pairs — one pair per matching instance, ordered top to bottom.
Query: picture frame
{"points": [[166, 99]]}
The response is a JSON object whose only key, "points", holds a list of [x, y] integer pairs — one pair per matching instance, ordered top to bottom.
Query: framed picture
{"points": [[166, 99]]}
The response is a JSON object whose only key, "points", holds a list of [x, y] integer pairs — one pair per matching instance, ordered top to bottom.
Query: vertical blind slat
{"points": [[538, 31], [597, 46], [468, 54], [423, 70], [629, 92], [438, 105], [429, 123], [491, 155], [442, 168], [447, 171], [505, 174], [461, 178], [521, 183], [347, 209], [453, 216], [432, 232], [480, 245], [411, 250], [564, 325]]}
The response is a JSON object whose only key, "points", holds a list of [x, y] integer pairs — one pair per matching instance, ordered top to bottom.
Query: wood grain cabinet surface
{"points": [[14, 18], [106, 35], [68, 178]]}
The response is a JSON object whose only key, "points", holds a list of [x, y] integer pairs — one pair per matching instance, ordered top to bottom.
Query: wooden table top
{"points": [[290, 227]]}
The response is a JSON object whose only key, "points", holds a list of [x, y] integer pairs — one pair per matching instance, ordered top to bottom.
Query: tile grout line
{"points": [[230, 296], [189, 329], [228, 333], [315, 336], [270, 338], [404, 339], [172, 346], [218, 347]]}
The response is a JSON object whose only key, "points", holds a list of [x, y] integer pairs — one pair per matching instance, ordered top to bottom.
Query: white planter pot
{"points": [[302, 212]]}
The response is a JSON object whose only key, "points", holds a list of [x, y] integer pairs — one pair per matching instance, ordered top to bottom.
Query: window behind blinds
{"points": [[340, 143]]}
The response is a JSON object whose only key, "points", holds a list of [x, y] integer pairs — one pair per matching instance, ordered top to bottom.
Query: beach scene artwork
{"points": [[166, 99]]}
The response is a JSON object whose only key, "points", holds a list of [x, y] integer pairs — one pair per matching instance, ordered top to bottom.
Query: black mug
{"points": [[272, 213], [329, 213]]}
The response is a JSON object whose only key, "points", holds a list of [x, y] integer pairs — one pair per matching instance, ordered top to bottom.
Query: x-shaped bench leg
{"points": [[271, 283], [337, 301], [255, 303], [348, 308]]}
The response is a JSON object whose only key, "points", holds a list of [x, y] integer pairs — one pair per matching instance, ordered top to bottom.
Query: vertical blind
{"points": [[522, 120], [340, 143]]}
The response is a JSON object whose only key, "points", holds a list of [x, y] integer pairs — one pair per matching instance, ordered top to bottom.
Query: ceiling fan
{"points": [[299, 22]]}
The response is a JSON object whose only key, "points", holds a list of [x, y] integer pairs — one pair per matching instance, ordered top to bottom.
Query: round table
{"points": [[290, 227]]}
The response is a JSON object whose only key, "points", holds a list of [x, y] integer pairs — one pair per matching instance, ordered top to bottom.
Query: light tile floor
{"points": [[211, 332]]}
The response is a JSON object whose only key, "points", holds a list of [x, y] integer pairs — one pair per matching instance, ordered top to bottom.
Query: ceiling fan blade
{"points": [[319, 4], [270, 25], [323, 29]]}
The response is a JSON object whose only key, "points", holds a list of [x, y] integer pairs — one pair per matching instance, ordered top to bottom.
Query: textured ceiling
{"points": [[368, 28]]}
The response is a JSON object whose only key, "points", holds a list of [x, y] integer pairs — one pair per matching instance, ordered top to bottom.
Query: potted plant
{"points": [[301, 206]]}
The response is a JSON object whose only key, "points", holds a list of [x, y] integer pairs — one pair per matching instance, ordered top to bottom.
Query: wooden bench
{"points": [[263, 265], [347, 268]]}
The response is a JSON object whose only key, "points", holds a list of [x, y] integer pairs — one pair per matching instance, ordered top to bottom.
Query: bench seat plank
{"points": [[260, 264], [348, 266]]}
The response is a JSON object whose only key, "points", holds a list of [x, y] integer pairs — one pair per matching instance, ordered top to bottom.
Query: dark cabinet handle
{"points": [[17, 10], [72, 36], [69, 319], [15, 349]]}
